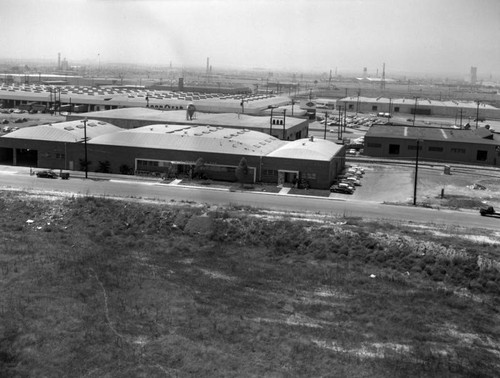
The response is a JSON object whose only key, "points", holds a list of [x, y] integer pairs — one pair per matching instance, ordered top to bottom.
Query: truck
{"points": [[488, 211]]}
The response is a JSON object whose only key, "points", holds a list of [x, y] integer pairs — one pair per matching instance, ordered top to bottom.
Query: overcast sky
{"points": [[408, 35]]}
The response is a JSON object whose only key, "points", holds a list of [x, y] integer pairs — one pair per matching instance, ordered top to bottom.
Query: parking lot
{"points": [[9, 119], [465, 187]]}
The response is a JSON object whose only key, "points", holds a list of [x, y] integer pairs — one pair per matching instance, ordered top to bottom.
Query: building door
{"points": [[287, 177]]}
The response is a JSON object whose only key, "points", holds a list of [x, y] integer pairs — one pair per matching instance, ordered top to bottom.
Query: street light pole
{"points": [[415, 111], [477, 114], [284, 121], [326, 121], [271, 122], [85, 143], [416, 175]]}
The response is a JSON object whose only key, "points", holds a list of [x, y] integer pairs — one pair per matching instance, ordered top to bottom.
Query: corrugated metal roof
{"points": [[71, 132], [198, 138], [305, 149]]}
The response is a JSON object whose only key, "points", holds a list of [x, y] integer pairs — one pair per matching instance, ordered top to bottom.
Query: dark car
{"points": [[46, 174], [341, 189], [488, 211]]}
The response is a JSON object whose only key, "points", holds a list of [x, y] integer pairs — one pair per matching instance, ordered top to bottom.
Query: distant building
{"points": [[473, 75], [97, 98], [423, 106], [279, 126], [446, 146]]}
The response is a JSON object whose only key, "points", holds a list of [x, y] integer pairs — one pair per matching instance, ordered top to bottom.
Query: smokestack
{"points": [[58, 61], [208, 65], [382, 83]]}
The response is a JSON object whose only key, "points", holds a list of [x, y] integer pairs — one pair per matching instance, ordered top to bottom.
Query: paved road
{"points": [[20, 179]]}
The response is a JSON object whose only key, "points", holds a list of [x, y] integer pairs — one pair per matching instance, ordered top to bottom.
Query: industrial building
{"points": [[92, 98], [419, 106], [276, 124], [478, 147], [173, 151]]}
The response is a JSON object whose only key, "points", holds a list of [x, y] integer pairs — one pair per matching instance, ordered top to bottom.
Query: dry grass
{"points": [[96, 287]]}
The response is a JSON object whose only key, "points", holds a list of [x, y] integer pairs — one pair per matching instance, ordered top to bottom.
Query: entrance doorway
{"points": [[287, 177]]}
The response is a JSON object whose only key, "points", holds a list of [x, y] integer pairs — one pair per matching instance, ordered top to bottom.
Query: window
{"points": [[351, 106], [374, 107], [396, 109], [374, 145], [414, 148], [393, 149], [435, 149], [458, 150], [482, 155], [60, 156], [269, 172], [309, 176]]}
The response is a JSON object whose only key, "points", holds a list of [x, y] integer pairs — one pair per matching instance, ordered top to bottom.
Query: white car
{"points": [[354, 180]]}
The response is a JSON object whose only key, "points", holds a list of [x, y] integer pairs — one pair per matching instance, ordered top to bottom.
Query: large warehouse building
{"points": [[106, 98], [419, 106], [278, 125], [479, 147], [174, 150]]}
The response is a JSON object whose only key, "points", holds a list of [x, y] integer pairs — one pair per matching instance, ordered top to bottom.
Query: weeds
{"points": [[140, 290]]}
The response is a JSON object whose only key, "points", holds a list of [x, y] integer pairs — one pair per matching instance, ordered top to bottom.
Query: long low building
{"points": [[106, 98], [419, 106], [278, 125], [478, 147], [174, 150]]}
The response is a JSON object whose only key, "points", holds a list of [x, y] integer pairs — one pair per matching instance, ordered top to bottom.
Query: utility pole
{"points": [[415, 110], [477, 113], [460, 117], [326, 121], [271, 122], [284, 122], [339, 130], [85, 143], [416, 175]]}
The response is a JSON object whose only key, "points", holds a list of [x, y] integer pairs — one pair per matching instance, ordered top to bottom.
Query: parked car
{"points": [[5, 121], [6, 129], [46, 174], [354, 180], [346, 184], [341, 189]]}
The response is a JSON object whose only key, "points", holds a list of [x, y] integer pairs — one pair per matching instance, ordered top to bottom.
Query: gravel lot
{"points": [[395, 184]]}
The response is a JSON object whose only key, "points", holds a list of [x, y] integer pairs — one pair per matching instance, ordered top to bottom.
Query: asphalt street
{"points": [[20, 179]]}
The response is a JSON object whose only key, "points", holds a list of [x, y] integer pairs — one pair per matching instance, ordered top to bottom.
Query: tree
{"points": [[84, 163], [103, 167], [199, 168], [242, 171]]}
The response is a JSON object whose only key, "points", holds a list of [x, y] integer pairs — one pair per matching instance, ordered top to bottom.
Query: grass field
{"points": [[93, 287]]}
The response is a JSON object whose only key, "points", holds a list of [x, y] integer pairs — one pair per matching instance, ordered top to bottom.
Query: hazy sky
{"points": [[408, 35]]}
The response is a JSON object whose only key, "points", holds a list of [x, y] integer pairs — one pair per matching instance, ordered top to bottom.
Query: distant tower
{"points": [[58, 61], [208, 66], [365, 73], [473, 75], [382, 83]]}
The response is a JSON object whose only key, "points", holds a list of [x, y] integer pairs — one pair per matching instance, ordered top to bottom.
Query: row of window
{"points": [[375, 108], [394, 149]]}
